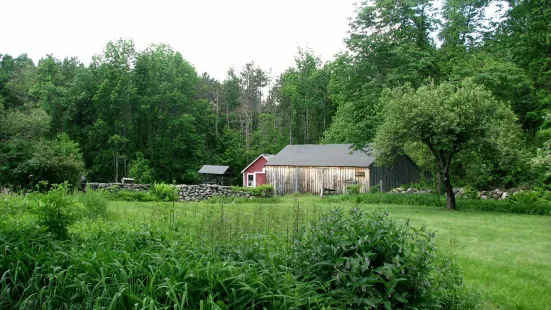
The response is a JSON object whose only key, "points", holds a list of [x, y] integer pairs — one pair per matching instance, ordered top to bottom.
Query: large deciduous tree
{"points": [[448, 119]]}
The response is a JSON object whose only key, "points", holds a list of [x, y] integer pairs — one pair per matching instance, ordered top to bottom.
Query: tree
{"points": [[389, 45], [304, 104], [447, 118], [27, 156], [140, 170]]}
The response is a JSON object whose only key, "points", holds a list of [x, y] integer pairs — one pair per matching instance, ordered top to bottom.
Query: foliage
{"points": [[154, 102], [448, 119], [27, 156], [140, 170], [353, 189], [265, 190], [164, 192], [125, 195], [94, 202], [468, 204], [57, 209], [200, 260], [372, 262]]}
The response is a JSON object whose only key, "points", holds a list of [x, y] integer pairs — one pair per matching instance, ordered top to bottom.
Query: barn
{"points": [[310, 168], [254, 174]]}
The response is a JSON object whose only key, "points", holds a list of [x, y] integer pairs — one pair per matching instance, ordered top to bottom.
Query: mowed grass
{"points": [[507, 257]]}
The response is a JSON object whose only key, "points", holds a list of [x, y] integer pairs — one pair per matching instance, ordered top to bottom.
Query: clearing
{"points": [[506, 256]]}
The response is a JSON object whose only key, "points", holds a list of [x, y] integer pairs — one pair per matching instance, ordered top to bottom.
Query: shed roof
{"points": [[322, 155], [211, 169]]}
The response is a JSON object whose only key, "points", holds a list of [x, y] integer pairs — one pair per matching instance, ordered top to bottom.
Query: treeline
{"points": [[149, 114]]}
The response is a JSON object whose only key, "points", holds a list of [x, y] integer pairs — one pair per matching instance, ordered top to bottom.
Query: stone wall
{"points": [[460, 192], [185, 193]]}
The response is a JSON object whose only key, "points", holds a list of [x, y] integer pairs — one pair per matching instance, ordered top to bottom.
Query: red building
{"points": [[255, 174]]}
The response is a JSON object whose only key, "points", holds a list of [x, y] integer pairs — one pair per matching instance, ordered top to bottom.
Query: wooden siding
{"points": [[402, 171], [291, 179]]}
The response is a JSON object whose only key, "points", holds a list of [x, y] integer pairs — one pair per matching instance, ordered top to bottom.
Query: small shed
{"points": [[311, 168], [255, 173], [215, 174]]}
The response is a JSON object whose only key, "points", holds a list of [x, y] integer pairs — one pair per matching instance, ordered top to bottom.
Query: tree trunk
{"points": [[116, 167], [439, 182], [450, 196]]}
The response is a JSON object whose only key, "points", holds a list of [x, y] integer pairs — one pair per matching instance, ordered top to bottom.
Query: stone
{"points": [[455, 190], [462, 191], [505, 195], [483, 197]]}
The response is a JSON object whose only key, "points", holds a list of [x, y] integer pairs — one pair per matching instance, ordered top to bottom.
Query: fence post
{"points": [[381, 186]]}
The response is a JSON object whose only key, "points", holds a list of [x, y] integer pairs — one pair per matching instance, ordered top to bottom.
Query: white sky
{"points": [[212, 35]]}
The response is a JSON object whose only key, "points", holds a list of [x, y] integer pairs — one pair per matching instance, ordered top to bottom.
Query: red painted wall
{"points": [[257, 166]]}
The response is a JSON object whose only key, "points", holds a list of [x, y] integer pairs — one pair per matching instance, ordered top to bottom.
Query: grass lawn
{"points": [[506, 256]]}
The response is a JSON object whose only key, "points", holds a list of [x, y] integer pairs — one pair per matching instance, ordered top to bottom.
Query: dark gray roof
{"points": [[321, 155], [210, 169]]}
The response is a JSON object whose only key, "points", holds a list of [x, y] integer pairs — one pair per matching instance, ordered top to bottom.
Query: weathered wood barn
{"points": [[310, 168]]}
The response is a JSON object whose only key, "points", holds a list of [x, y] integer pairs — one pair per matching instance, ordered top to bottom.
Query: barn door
{"points": [[361, 175]]}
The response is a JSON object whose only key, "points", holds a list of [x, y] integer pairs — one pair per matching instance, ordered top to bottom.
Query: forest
{"points": [[150, 115]]}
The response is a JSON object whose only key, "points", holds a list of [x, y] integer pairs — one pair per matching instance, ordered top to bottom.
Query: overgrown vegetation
{"points": [[353, 189], [265, 190], [164, 192], [126, 195], [525, 203], [218, 260]]}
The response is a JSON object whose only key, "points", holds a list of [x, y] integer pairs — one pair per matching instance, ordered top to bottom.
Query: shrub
{"points": [[140, 170], [353, 189], [375, 189], [265, 190], [164, 192], [126, 195], [525, 197], [539, 207], [57, 210], [371, 261]]}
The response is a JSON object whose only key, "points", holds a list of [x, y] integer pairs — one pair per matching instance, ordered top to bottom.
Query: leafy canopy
{"points": [[447, 118]]}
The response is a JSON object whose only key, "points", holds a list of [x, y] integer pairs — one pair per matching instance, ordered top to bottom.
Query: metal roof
{"points": [[322, 155], [211, 169]]}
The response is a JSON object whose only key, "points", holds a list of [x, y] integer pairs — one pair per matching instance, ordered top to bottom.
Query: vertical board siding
{"points": [[401, 172], [291, 179]]}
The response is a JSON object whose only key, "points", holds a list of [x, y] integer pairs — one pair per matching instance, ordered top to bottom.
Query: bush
{"points": [[140, 170], [353, 189], [375, 189], [265, 190], [164, 192], [126, 195], [242, 200], [539, 207], [57, 210], [370, 261]]}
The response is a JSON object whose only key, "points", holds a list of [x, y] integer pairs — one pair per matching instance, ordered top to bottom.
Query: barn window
{"points": [[250, 180]]}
